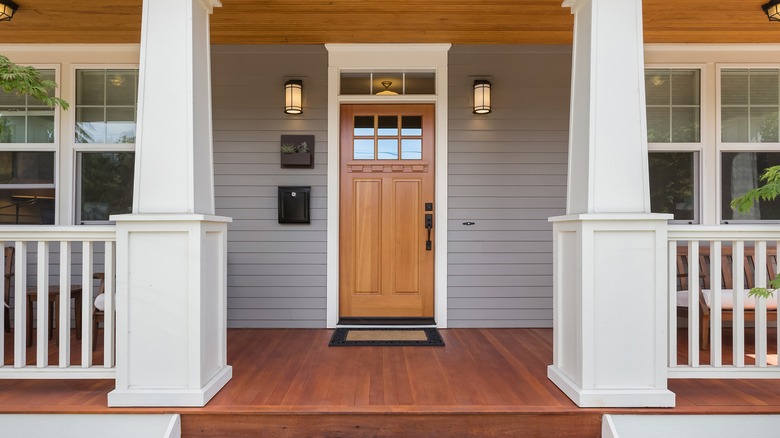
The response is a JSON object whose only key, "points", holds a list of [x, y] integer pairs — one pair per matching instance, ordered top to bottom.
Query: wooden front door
{"points": [[387, 211]]}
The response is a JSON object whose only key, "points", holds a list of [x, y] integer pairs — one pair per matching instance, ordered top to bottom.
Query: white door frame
{"points": [[384, 58]]}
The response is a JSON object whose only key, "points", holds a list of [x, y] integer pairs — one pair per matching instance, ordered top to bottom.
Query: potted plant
{"points": [[297, 151]]}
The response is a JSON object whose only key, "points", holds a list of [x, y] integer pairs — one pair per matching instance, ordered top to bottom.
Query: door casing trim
{"points": [[388, 57]]}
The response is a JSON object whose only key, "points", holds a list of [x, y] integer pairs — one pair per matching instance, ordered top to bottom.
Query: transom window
{"points": [[388, 83], [387, 137]]}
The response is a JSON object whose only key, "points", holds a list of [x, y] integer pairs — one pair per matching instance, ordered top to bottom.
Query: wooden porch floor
{"points": [[485, 382]]}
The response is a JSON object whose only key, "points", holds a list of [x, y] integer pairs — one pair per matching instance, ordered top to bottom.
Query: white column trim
{"points": [[374, 57]]}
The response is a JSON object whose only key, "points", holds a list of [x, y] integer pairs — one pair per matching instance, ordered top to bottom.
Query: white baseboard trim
{"points": [[155, 397], [610, 398]]}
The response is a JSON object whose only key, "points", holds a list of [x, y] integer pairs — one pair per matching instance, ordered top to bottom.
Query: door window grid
{"points": [[387, 137]]}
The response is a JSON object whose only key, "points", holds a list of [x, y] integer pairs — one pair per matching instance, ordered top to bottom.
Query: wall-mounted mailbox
{"points": [[294, 205]]}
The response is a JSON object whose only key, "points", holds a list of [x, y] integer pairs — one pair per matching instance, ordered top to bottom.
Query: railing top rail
{"points": [[744, 232], [54, 233]]}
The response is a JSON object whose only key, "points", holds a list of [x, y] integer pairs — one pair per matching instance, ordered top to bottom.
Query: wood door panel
{"points": [[407, 209], [368, 236], [385, 268]]}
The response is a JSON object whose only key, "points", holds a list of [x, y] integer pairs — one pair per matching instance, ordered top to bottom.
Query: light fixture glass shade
{"points": [[7, 10], [772, 10], [293, 96], [482, 97]]}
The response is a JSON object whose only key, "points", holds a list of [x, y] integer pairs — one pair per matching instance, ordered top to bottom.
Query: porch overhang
{"points": [[404, 21]]}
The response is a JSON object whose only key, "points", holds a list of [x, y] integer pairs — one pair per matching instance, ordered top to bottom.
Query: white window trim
{"points": [[387, 57], [713, 57], [721, 146], [45, 147], [74, 148], [701, 198]]}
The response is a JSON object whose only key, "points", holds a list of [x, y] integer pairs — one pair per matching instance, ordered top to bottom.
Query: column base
{"points": [[180, 397], [610, 398]]}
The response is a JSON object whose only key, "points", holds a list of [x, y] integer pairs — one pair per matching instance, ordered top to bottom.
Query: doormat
{"points": [[390, 337]]}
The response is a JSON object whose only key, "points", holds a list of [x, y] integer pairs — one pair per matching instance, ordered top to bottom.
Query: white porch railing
{"points": [[60, 261], [727, 261]]}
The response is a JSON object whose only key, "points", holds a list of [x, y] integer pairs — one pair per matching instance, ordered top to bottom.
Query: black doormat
{"points": [[392, 337]]}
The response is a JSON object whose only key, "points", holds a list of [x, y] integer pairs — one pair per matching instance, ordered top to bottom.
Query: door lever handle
{"points": [[428, 226]]}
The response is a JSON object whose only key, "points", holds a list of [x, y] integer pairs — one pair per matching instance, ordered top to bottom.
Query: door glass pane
{"points": [[364, 125], [388, 125], [411, 125], [685, 125], [363, 149], [388, 149], [411, 149], [26, 167], [741, 172], [106, 184], [672, 184]]}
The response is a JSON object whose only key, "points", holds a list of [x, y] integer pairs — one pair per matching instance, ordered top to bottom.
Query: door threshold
{"points": [[387, 322]]}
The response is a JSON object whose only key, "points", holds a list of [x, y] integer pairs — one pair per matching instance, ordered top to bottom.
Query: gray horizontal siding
{"points": [[507, 173], [276, 273]]}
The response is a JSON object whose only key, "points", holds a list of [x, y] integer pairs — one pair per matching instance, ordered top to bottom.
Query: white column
{"points": [[172, 250], [609, 250]]}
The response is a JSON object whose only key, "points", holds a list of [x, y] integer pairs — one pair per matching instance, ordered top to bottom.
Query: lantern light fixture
{"points": [[7, 10], [772, 10], [482, 88], [293, 96]]}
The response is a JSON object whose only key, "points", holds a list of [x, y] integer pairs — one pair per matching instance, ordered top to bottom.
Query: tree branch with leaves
{"points": [[27, 81], [766, 192]]}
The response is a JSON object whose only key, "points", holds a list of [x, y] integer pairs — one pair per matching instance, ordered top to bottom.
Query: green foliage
{"points": [[27, 81], [289, 148], [766, 192], [763, 292]]}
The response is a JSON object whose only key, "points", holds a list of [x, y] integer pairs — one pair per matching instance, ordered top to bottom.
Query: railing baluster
{"points": [[759, 262], [672, 269], [42, 288], [693, 303], [86, 304], [777, 304], [20, 305], [2, 314], [716, 318], [738, 320], [64, 327]]}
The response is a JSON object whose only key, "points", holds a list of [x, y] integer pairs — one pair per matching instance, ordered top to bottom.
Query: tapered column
{"points": [[172, 250], [609, 250]]}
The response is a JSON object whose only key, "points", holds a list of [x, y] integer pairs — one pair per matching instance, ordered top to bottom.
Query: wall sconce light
{"points": [[7, 10], [772, 10], [293, 93], [482, 96]]}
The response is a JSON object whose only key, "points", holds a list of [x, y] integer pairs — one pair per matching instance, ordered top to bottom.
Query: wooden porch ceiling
{"points": [[401, 21]]}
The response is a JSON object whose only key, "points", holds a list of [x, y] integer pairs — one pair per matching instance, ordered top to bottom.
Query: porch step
{"points": [[90, 426], [690, 426]]}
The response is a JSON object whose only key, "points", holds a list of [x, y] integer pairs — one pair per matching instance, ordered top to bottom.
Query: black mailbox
{"points": [[294, 205]]}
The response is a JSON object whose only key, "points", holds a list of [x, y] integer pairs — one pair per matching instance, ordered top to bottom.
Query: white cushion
{"points": [[726, 299], [100, 302]]}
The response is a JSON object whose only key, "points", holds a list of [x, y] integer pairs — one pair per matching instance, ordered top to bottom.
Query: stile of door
{"points": [[387, 210]]}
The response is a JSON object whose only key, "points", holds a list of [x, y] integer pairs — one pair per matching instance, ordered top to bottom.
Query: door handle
{"points": [[428, 226]]}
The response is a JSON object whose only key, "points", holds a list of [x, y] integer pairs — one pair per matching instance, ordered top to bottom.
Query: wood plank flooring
{"points": [[485, 382]]}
